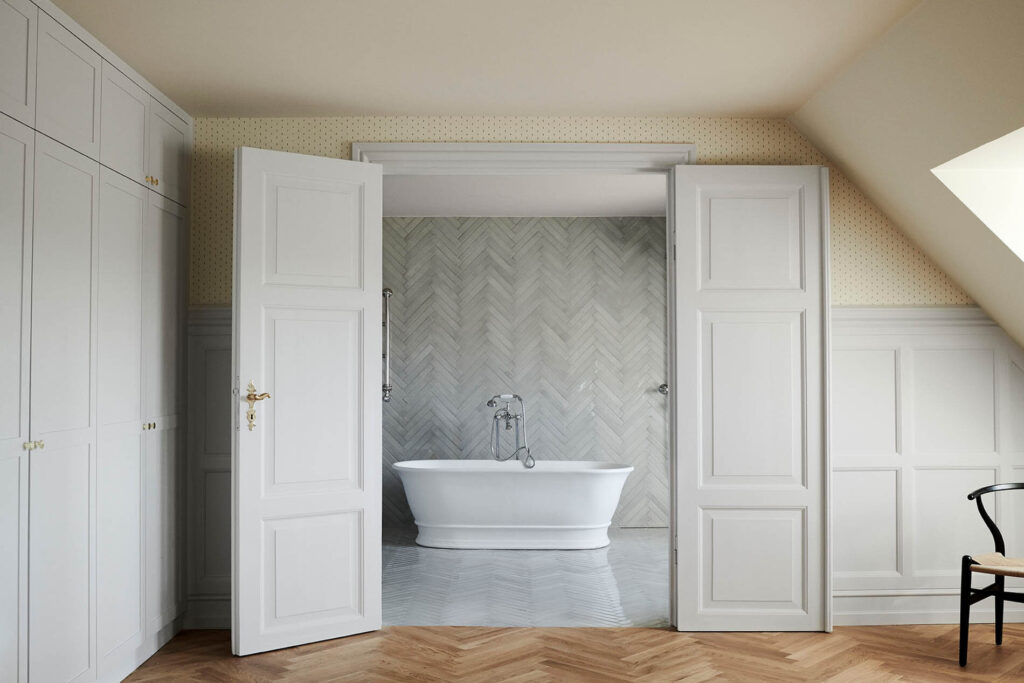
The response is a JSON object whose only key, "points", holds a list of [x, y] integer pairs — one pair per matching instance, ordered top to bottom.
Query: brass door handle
{"points": [[251, 399]]}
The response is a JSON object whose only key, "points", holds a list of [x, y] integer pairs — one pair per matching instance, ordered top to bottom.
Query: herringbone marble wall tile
{"points": [[568, 312]]}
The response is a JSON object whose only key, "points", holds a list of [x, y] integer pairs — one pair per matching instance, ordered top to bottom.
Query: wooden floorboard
{"points": [[435, 654]]}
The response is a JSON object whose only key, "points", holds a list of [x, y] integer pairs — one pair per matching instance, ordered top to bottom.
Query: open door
{"points": [[751, 299], [306, 455]]}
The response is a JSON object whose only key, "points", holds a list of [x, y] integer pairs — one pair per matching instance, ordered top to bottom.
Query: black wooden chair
{"points": [[996, 564]]}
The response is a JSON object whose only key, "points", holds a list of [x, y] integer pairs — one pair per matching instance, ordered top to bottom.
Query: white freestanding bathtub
{"points": [[490, 504]]}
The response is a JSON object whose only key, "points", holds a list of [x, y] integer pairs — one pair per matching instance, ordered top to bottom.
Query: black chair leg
{"points": [[965, 606], [999, 609]]}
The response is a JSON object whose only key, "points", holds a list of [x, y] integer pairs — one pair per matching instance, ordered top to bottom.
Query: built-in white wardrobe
{"points": [[93, 190]]}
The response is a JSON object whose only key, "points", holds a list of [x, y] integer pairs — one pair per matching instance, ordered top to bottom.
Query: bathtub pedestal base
{"points": [[512, 538]]}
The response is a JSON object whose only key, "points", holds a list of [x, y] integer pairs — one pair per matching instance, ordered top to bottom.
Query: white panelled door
{"points": [[307, 468], [751, 472]]}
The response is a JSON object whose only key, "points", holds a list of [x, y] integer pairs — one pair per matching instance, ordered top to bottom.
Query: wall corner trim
{"points": [[846, 317]]}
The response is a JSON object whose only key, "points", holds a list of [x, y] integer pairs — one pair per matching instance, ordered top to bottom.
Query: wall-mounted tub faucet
{"points": [[510, 420]]}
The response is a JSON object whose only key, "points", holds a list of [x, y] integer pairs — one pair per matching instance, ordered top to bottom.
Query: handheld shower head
{"points": [[506, 398]]}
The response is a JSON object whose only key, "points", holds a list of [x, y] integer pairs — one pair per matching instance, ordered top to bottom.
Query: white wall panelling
{"points": [[926, 406], [209, 468], [91, 538]]}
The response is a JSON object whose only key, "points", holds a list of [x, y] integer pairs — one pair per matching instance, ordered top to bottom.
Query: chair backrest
{"points": [[976, 495]]}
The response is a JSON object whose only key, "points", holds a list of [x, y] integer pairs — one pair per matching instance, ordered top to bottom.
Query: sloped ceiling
{"points": [[487, 57], [946, 79]]}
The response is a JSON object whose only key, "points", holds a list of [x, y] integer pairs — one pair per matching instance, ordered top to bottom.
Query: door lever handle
{"points": [[251, 398]]}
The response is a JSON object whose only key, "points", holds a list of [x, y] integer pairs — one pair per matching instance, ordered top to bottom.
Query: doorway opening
{"points": [[552, 287], [747, 348]]}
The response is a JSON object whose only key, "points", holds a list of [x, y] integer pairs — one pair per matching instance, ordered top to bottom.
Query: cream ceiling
{"points": [[487, 57]]}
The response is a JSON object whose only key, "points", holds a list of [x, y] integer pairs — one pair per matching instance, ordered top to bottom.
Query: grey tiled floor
{"points": [[625, 584]]}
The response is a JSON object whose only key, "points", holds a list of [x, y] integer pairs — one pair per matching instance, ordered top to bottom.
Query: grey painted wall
{"points": [[568, 312]]}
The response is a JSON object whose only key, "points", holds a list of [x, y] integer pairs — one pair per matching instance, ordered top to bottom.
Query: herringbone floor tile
{"points": [[625, 584], [484, 654]]}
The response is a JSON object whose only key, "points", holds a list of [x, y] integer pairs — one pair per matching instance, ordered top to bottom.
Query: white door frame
{"points": [[542, 159]]}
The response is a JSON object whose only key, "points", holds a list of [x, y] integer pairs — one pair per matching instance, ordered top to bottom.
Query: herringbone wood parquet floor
{"points": [[458, 653]]}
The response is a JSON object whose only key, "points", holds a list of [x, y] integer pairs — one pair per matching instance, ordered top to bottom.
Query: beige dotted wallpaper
{"points": [[873, 263]]}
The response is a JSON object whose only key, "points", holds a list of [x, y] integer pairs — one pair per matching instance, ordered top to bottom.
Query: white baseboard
{"points": [[913, 609]]}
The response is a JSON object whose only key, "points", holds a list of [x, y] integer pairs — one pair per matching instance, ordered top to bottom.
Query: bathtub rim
{"points": [[482, 466]]}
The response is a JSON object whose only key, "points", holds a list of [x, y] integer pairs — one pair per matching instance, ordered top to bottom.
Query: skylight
{"points": [[989, 180]]}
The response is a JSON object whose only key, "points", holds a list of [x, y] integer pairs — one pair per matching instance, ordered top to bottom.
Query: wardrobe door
{"points": [[18, 59], [67, 88], [123, 124], [169, 141], [16, 161], [163, 348], [163, 352], [62, 418], [119, 483]]}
